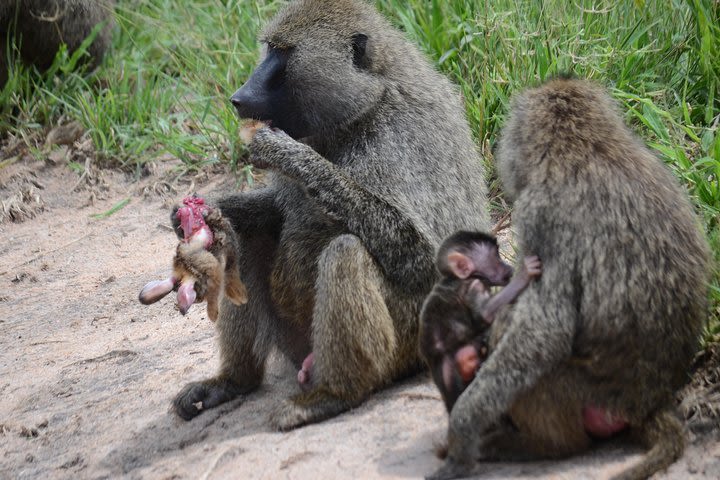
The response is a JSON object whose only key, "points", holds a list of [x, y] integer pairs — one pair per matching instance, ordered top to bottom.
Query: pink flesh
{"points": [[192, 221], [155, 290], [186, 295], [467, 361], [303, 375], [598, 422]]}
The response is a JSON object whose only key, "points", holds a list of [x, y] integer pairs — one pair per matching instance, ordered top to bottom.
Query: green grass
{"points": [[164, 86]]}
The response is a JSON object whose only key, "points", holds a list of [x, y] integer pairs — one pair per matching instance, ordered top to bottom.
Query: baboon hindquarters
{"points": [[354, 339]]}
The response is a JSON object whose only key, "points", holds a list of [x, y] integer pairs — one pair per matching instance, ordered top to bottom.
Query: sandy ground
{"points": [[87, 373]]}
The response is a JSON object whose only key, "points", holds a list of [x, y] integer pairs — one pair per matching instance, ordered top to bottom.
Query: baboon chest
{"points": [[307, 230]]}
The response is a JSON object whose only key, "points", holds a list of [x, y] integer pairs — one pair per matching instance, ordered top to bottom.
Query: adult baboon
{"points": [[41, 26], [375, 167], [604, 338]]}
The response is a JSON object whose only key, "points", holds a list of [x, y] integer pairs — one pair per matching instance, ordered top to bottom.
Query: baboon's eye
{"points": [[359, 43], [278, 73]]}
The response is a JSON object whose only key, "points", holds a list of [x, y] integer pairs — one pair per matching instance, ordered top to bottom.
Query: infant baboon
{"points": [[40, 26], [371, 165], [215, 262], [455, 317], [603, 339]]}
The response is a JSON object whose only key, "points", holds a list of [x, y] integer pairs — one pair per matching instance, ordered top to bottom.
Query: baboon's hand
{"points": [[274, 149], [532, 266], [209, 270], [199, 273], [476, 292]]}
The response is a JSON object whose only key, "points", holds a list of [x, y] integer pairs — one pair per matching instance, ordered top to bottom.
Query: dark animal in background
{"points": [[40, 27], [371, 165], [456, 316], [603, 340]]}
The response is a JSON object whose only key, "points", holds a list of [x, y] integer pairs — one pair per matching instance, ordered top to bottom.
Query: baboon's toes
{"points": [[199, 396], [288, 416], [451, 470]]}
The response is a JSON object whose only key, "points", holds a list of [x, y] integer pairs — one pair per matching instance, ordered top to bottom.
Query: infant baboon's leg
{"points": [[353, 336]]}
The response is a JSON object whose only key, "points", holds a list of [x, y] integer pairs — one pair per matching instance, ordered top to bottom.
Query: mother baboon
{"points": [[603, 339]]}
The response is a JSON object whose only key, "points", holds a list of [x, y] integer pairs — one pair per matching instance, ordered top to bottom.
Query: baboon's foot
{"points": [[198, 396], [308, 407], [451, 470]]}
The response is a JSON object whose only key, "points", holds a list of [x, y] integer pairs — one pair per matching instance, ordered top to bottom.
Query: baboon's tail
{"points": [[662, 433]]}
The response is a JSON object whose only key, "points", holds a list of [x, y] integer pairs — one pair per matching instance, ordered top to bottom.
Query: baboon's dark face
{"points": [[314, 86], [266, 96]]}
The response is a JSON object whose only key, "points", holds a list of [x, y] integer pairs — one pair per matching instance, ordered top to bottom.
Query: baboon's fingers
{"points": [[215, 220], [532, 266], [155, 290], [199, 396]]}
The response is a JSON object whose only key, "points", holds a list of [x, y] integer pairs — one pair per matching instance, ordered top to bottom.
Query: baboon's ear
{"points": [[359, 44], [461, 265]]}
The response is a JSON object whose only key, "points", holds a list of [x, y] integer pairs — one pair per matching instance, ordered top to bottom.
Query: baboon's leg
{"points": [[245, 334], [354, 338], [551, 437]]}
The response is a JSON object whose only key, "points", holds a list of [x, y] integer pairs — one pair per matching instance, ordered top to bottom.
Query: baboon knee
{"points": [[341, 251]]}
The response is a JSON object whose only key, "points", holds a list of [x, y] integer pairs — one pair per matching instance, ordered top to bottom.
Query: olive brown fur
{"points": [[371, 166], [615, 318]]}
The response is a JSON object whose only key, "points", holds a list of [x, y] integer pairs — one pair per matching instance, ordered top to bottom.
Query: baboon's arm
{"points": [[253, 211], [390, 236], [506, 296], [539, 336]]}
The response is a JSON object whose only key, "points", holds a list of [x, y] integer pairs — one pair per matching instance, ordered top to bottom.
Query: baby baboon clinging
{"points": [[39, 27], [374, 166], [623, 291], [456, 315]]}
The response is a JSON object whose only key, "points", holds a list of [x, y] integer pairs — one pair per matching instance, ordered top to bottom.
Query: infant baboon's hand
{"points": [[532, 266]]}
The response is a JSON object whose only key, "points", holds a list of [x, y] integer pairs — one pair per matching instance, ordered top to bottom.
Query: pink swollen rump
{"points": [[467, 361], [599, 422]]}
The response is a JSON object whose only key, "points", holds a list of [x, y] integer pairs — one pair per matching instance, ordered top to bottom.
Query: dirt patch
{"points": [[87, 373]]}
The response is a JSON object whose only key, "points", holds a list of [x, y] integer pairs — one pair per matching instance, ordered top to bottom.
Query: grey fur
{"points": [[41, 26], [337, 252], [623, 289]]}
